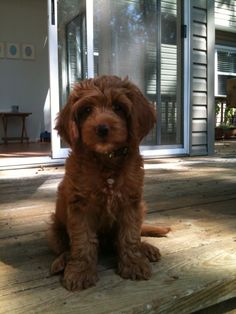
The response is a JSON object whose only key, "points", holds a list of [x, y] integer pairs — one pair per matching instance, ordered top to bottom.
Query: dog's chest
{"points": [[118, 190], [112, 194], [108, 202]]}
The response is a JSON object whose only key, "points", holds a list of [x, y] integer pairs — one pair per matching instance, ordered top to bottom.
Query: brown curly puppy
{"points": [[101, 196]]}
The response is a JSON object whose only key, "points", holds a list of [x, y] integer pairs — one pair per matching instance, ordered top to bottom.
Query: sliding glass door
{"points": [[141, 39]]}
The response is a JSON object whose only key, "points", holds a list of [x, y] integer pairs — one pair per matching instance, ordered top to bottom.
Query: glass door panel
{"points": [[142, 40]]}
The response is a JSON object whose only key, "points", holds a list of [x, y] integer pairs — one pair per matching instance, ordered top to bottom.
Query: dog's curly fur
{"points": [[100, 199]]}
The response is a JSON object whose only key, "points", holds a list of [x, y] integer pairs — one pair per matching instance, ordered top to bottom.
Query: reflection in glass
{"points": [[142, 40]]}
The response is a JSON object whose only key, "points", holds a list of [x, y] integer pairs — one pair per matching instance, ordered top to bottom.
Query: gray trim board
{"points": [[210, 76]]}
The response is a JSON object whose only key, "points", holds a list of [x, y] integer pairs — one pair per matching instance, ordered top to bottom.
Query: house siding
{"points": [[202, 83]]}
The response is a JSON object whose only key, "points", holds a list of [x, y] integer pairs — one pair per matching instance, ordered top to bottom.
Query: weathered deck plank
{"points": [[197, 198]]}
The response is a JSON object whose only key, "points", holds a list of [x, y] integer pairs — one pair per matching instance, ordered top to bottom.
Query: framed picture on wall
{"points": [[2, 50], [13, 51], [28, 51]]}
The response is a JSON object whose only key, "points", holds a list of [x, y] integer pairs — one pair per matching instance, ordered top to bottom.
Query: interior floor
{"points": [[25, 149]]}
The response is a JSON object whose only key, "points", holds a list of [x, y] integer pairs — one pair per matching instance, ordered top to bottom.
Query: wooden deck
{"points": [[195, 196]]}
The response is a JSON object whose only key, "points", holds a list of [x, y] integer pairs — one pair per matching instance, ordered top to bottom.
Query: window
{"points": [[225, 68]]}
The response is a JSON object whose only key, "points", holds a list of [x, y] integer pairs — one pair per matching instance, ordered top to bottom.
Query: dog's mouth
{"points": [[103, 147], [109, 147], [111, 151]]}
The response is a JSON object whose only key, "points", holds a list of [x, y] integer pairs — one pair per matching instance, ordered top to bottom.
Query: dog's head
{"points": [[105, 114]]}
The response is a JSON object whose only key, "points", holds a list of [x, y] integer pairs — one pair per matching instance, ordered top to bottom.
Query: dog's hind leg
{"points": [[151, 252], [59, 263]]}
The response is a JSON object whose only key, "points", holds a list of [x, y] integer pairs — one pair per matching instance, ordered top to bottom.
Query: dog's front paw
{"points": [[151, 252], [135, 269], [78, 280]]}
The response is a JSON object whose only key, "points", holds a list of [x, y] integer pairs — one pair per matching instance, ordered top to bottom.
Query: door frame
{"points": [[57, 150]]}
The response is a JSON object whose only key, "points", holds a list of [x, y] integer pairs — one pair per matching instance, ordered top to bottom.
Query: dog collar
{"points": [[123, 151]]}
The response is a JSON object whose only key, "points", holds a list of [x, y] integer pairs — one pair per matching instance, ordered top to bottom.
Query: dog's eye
{"points": [[117, 107], [86, 109], [84, 112]]}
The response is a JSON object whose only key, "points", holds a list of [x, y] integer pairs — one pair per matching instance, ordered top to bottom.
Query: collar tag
{"points": [[111, 155], [110, 181]]}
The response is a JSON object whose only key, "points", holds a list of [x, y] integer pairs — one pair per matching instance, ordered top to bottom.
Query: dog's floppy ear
{"points": [[143, 112], [65, 125]]}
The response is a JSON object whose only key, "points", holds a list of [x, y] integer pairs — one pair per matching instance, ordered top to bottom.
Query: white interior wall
{"points": [[25, 82]]}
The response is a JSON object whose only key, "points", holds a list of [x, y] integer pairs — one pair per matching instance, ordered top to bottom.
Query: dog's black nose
{"points": [[102, 130]]}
